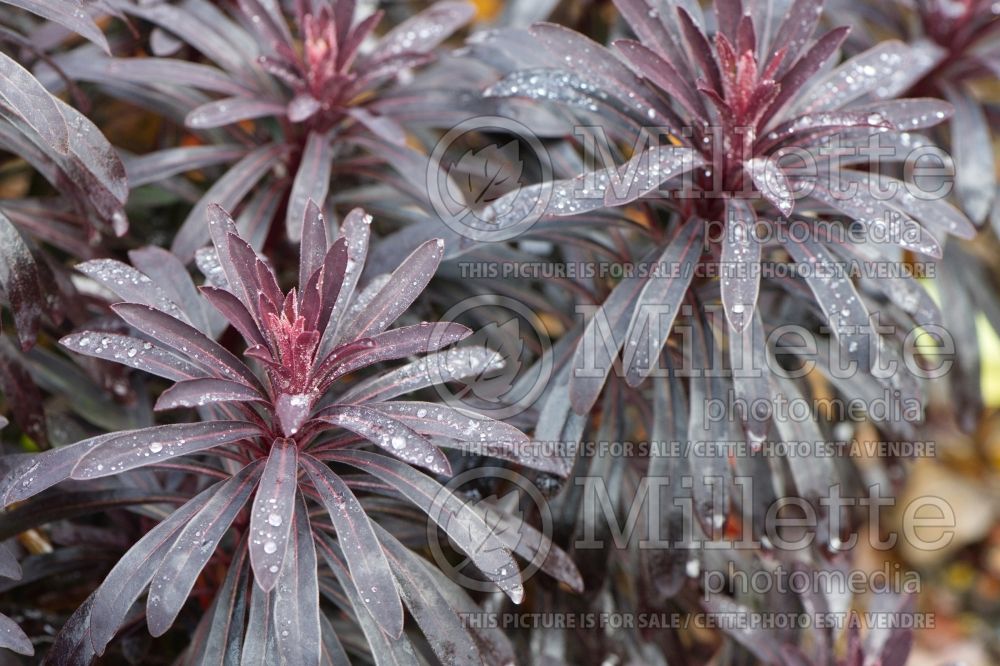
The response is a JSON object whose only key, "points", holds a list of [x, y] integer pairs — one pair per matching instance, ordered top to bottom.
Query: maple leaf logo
{"points": [[481, 177], [496, 380]]}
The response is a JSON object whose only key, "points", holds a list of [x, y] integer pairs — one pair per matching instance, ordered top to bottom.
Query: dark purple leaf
{"points": [[71, 14], [424, 31], [27, 104], [230, 110], [972, 148], [162, 164], [312, 182], [227, 192], [314, 245], [740, 264], [20, 281], [404, 285], [837, 297], [659, 302], [186, 340], [133, 352], [431, 370], [205, 391], [395, 437], [131, 449], [273, 509], [462, 523], [362, 551], [130, 576], [174, 578], [296, 597], [13, 637]]}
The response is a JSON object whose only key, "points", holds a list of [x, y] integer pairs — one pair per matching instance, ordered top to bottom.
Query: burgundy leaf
{"points": [[71, 14], [426, 30], [27, 104], [230, 110], [162, 164], [770, 180], [312, 182], [227, 192], [314, 245], [740, 264], [20, 281], [130, 285], [404, 285], [837, 297], [659, 302], [186, 340], [133, 352], [431, 370], [205, 391], [395, 437], [137, 448], [273, 509], [462, 523], [365, 558], [130, 576], [174, 578], [296, 598]]}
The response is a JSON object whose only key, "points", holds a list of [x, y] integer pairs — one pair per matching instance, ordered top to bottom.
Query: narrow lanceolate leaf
{"points": [[67, 13], [424, 31], [888, 66], [173, 72], [29, 106], [231, 110], [162, 164], [975, 175], [770, 180], [312, 182], [227, 192], [882, 220], [355, 230], [314, 245], [740, 264], [166, 269], [20, 281], [130, 285], [404, 285], [838, 298], [658, 303], [236, 314], [602, 339], [186, 340], [391, 345], [748, 351], [133, 352], [431, 370], [206, 391], [395, 437], [138, 448], [44, 470], [273, 507], [461, 522], [196, 543], [365, 558], [9, 568], [127, 580], [296, 598], [438, 621], [12, 637], [223, 642], [260, 645], [385, 651]]}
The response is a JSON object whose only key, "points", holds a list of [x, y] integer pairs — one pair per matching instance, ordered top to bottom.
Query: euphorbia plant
{"points": [[272, 425]]}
